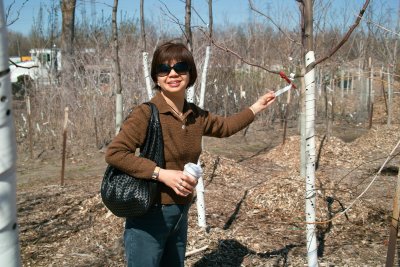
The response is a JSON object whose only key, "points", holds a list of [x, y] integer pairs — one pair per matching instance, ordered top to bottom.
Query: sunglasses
{"points": [[180, 68]]}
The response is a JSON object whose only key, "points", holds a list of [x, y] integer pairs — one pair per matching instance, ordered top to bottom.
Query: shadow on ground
{"points": [[233, 254]]}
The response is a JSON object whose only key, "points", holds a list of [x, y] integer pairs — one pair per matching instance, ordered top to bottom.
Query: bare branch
{"points": [[8, 12], [173, 18], [273, 22], [381, 27], [345, 38], [237, 55], [23, 67]]}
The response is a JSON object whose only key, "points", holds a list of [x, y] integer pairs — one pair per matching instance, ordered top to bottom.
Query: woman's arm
{"points": [[263, 102], [218, 126], [121, 151]]}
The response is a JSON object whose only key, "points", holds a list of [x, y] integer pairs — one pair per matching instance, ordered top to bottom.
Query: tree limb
{"points": [[8, 12], [273, 22], [345, 38], [223, 48], [23, 67]]}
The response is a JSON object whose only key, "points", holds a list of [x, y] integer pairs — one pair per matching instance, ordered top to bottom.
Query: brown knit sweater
{"points": [[182, 140]]}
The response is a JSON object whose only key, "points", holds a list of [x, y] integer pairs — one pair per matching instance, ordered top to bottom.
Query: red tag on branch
{"points": [[283, 76]]}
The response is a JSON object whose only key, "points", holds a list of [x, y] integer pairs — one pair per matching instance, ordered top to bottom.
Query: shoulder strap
{"points": [[154, 115], [153, 146]]}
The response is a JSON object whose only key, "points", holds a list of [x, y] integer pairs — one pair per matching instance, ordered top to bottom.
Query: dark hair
{"points": [[169, 51]]}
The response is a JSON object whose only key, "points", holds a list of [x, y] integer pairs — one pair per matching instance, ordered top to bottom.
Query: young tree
{"points": [[188, 29], [67, 37], [189, 41], [145, 54], [207, 58], [117, 69], [308, 119], [308, 151], [9, 248]]}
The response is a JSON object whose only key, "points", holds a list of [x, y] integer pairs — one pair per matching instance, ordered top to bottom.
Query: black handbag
{"points": [[127, 196]]}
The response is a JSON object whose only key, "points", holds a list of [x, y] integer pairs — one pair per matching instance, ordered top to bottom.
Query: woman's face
{"points": [[173, 79]]}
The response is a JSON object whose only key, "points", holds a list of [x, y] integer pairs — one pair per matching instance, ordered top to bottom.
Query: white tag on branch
{"points": [[283, 90]]}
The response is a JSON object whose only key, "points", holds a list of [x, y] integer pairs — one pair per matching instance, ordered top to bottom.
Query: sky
{"points": [[225, 12]]}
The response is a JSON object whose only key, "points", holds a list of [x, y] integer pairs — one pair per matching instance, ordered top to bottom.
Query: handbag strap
{"points": [[153, 146]]}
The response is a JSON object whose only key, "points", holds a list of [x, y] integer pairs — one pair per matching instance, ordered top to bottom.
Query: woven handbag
{"points": [[127, 196]]}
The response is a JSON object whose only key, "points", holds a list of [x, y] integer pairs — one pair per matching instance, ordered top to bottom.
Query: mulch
{"points": [[254, 210]]}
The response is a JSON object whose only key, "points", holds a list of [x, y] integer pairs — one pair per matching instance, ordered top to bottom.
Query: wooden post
{"points": [[352, 84], [383, 89], [342, 92], [370, 94], [390, 96], [226, 101], [285, 116], [30, 132], [96, 134], [64, 144], [394, 226]]}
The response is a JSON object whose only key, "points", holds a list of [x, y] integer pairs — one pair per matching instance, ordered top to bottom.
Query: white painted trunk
{"points": [[147, 75], [204, 77], [342, 84], [352, 84], [371, 84], [366, 92], [190, 94], [390, 96], [118, 113], [310, 156], [200, 203], [9, 247]]}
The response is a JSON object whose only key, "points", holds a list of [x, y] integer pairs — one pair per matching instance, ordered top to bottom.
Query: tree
{"points": [[188, 30], [67, 37], [189, 43], [145, 55], [117, 69], [308, 119], [9, 248]]}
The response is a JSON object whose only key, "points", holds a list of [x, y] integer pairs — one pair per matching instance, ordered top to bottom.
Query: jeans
{"points": [[158, 238]]}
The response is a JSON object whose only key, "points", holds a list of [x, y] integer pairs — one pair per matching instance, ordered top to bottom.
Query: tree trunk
{"points": [[142, 26], [188, 30], [67, 39], [189, 44], [145, 55], [207, 58], [204, 77], [118, 84], [370, 93], [390, 97], [309, 134], [200, 203], [9, 247]]}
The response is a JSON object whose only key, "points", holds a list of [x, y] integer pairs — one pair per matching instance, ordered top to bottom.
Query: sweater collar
{"points": [[163, 106]]}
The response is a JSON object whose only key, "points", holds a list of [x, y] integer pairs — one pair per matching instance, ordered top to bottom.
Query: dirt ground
{"points": [[254, 203]]}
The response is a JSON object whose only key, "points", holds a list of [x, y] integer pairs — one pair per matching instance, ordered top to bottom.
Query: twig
{"points": [[8, 13], [273, 22], [345, 38], [237, 55], [23, 67], [362, 193], [195, 251]]}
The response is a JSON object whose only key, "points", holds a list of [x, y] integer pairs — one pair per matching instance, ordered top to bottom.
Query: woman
{"points": [[159, 237]]}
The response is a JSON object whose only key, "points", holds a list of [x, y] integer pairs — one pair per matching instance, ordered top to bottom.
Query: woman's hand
{"points": [[263, 102], [182, 184]]}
